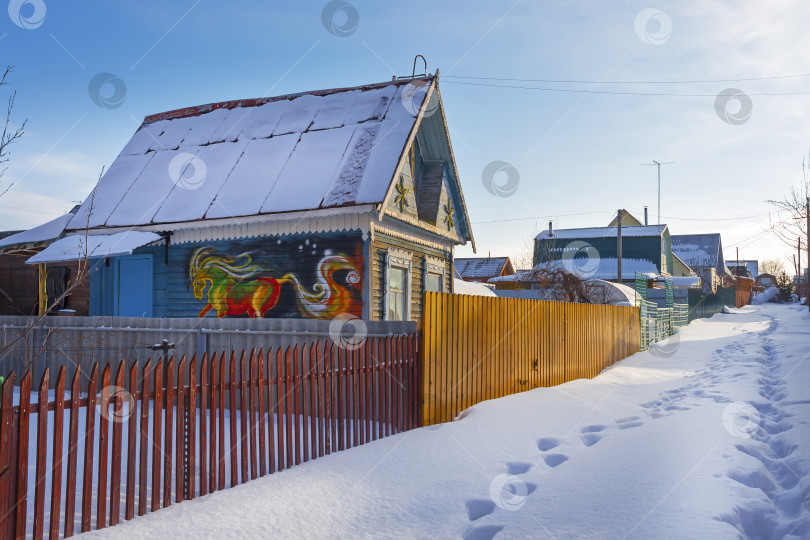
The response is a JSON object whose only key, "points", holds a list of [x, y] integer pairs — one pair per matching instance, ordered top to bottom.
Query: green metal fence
{"points": [[659, 323]]}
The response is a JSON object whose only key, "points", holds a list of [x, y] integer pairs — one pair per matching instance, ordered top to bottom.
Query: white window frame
{"points": [[401, 259], [434, 265]]}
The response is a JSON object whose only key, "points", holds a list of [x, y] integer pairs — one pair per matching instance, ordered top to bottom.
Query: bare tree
{"points": [[10, 133], [790, 225], [523, 259], [772, 266]]}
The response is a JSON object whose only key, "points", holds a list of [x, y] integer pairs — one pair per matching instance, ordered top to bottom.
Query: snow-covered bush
{"points": [[769, 295]]}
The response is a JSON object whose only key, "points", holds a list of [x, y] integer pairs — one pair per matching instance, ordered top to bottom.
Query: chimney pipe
{"points": [[645, 215], [550, 231]]}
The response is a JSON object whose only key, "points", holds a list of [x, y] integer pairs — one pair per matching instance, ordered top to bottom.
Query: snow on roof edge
{"points": [[197, 110]]}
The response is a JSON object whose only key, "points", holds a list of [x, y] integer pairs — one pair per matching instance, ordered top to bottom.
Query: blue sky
{"points": [[577, 154]]}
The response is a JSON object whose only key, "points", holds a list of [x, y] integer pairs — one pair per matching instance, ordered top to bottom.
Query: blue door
{"points": [[133, 286]]}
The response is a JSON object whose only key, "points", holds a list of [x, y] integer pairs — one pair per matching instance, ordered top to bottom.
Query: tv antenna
{"points": [[658, 164]]}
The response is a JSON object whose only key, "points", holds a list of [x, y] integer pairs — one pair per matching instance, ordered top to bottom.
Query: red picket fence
{"points": [[167, 435]]}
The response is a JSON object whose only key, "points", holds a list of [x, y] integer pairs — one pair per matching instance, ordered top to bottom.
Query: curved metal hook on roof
{"points": [[415, 58]]}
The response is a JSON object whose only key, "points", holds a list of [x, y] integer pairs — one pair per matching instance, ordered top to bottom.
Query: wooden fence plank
{"points": [[261, 362], [223, 370], [312, 372], [253, 378], [340, 397], [296, 399], [121, 401], [288, 407], [279, 409], [271, 412], [243, 415], [203, 423], [212, 424], [331, 425], [132, 426], [323, 427], [168, 430], [191, 432], [157, 435], [179, 437], [89, 442], [73, 443], [58, 446], [103, 449], [234, 451], [143, 455], [41, 457], [7, 461], [21, 503]]}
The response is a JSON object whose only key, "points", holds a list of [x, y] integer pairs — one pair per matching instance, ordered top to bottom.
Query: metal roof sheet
{"points": [[320, 149]]}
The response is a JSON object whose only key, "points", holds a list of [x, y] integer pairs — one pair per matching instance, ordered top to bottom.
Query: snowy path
{"points": [[706, 436]]}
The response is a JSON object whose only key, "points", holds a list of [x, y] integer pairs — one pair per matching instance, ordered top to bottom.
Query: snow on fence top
{"points": [[307, 151]]}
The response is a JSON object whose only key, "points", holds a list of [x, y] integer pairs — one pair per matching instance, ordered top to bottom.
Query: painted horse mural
{"points": [[235, 285]]}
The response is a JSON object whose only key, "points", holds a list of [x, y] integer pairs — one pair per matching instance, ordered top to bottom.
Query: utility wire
{"points": [[575, 81], [617, 93], [610, 212]]}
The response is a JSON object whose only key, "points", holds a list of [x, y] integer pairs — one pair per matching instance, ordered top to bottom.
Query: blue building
{"points": [[341, 201]]}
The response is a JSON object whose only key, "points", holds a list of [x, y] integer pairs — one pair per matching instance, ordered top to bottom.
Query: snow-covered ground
{"points": [[706, 436]]}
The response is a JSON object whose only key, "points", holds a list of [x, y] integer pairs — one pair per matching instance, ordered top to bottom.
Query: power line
{"points": [[579, 81], [615, 93], [611, 213]]}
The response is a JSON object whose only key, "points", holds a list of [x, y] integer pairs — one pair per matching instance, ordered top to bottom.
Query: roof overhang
{"points": [[80, 247]]}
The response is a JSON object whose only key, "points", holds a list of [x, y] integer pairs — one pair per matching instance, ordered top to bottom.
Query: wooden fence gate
{"points": [[177, 430]]}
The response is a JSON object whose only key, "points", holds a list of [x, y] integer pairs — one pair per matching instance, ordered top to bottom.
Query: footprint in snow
{"points": [[629, 422], [596, 428], [590, 439], [547, 443], [553, 460], [517, 467], [478, 508]]}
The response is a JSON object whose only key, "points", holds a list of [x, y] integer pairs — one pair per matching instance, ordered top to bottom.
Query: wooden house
{"points": [[341, 201], [29, 290]]}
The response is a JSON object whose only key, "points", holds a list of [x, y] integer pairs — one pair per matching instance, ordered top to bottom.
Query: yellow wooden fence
{"points": [[477, 348]]}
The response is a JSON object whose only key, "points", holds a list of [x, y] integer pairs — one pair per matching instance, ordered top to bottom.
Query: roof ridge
{"points": [[254, 102]]}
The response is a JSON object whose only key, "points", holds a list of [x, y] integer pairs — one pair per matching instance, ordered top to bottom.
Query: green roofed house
{"points": [[592, 252]]}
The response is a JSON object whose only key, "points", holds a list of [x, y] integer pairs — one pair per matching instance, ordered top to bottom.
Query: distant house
{"points": [[341, 201], [628, 220], [592, 252], [703, 253], [751, 266], [484, 268], [739, 269], [765, 281], [27, 289]]}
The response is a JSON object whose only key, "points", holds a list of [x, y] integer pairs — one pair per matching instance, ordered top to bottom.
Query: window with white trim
{"points": [[434, 274], [398, 285]]}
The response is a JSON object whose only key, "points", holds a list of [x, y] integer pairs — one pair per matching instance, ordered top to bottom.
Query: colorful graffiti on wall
{"points": [[237, 285]]}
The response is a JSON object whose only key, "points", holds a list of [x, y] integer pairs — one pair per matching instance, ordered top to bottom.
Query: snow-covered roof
{"points": [[321, 149], [603, 232], [41, 233], [79, 246], [698, 250], [481, 267], [602, 268], [474, 289]]}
